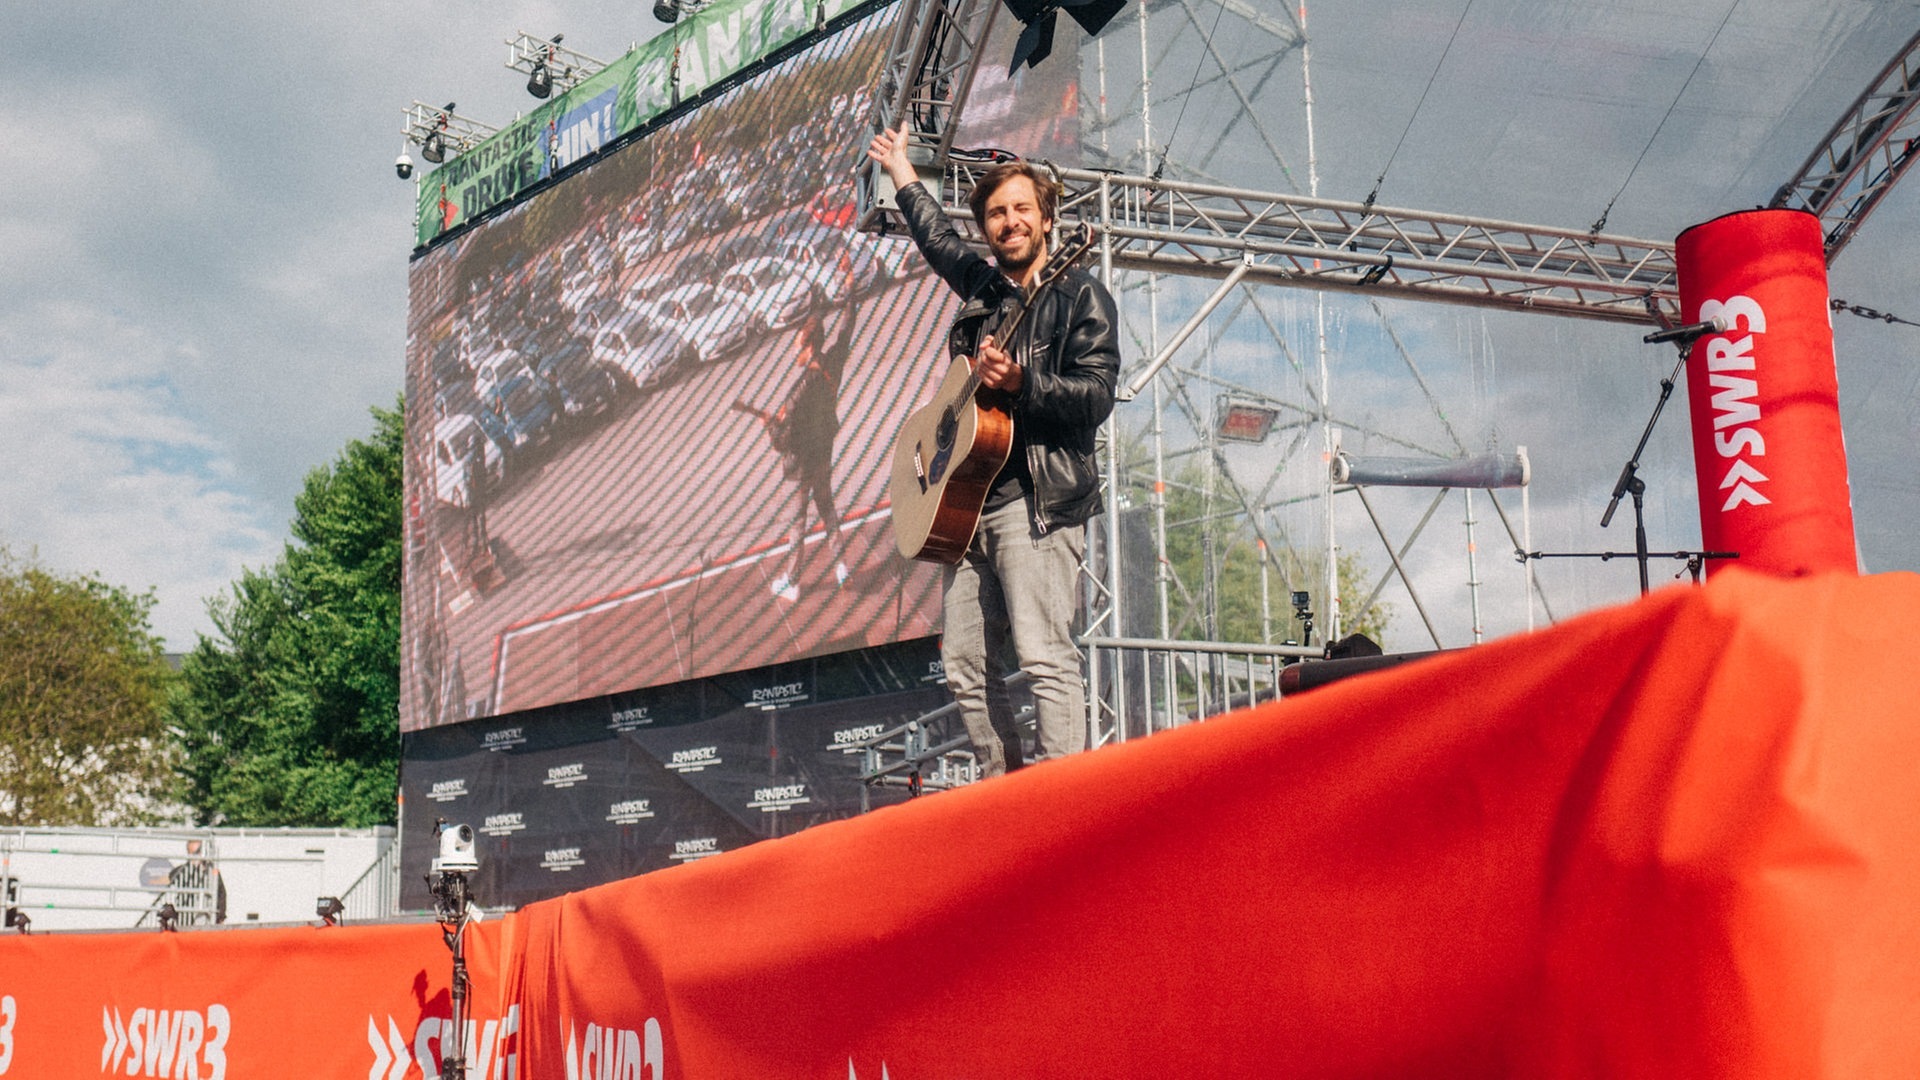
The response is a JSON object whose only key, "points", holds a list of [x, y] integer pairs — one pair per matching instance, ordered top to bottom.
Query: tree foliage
{"points": [[1214, 556], [81, 684], [290, 713]]}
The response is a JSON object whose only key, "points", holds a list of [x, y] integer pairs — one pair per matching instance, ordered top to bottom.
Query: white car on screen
{"points": [[781, 292], [718, 321], [644, 349], [463, 458]]}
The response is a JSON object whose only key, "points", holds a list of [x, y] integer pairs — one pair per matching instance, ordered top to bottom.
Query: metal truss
{"points": [[566, 67], [457, 134], [1864, 155], [1203, 230], [1206, 230]]}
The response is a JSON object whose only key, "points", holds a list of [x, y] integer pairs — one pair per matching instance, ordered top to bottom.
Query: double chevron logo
{"points": [[177, 1044]]}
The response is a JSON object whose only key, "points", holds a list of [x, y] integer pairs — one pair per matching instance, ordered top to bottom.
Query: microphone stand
{"points": [[1631, 484]]}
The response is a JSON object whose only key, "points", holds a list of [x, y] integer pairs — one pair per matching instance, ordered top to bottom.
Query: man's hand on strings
{"points": [[996, 368]]}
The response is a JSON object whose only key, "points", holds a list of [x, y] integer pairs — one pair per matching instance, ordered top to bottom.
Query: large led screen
{"points": [[650, 410]]}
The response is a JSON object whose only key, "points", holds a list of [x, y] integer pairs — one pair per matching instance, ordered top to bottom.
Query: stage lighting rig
{"points": [[669, 11], [1037, 18], [548, 65], [437, 132]]}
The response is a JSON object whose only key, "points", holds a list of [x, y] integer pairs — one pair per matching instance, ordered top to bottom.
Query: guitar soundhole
{"points": [[943, 435]]}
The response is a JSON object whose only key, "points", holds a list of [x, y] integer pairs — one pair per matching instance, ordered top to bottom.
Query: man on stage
{"points": [[1018, 583]]}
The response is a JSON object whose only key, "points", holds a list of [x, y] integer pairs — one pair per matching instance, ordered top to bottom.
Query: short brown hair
{"points": [[1046, 192]]}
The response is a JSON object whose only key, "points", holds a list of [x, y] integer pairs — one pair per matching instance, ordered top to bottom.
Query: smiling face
{"points": [[1016, 231]]}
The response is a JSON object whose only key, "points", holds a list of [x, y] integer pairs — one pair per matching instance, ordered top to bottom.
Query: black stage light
{"points": [[667, 11], [1038, 16], [540, 83], [434, 148], [329, 909], [169, 918]]}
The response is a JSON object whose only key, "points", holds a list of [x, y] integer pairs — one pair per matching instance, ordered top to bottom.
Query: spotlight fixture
{"points": [[669, 11], [1038, 17], [548, 64], [438, 133], [329, 908], [169, 917], [17, 920]]}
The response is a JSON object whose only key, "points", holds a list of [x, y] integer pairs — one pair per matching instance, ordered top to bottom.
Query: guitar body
{"points": [[944, 462]]}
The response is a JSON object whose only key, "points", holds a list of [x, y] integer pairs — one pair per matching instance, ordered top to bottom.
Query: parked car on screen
{"points": [[832, 258], [780, 292], [718, 321], [644, 349], [582, 385], [523, 405], [463, 457]]}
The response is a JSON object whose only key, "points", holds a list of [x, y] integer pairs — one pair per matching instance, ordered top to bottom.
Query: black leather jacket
{"points": [[1068, 348]]}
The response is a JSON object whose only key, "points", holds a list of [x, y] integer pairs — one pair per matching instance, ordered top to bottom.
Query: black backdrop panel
{"points": [[568, 796]]}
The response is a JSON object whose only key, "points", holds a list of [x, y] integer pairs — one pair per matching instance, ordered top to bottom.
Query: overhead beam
{"points": [[1866, 153]]}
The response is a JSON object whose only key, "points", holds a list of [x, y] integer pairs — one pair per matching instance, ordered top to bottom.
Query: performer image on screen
{"points": [[803, 432], [1018, 583]]}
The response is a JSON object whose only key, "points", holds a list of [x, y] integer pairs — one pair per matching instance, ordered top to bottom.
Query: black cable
{"points": [[1191, 84], [1382, 178], [1601, 222], [1868, 313]]}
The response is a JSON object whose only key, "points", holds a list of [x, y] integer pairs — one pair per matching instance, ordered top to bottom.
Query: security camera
{"points": [[403, 165], [456, 851]]}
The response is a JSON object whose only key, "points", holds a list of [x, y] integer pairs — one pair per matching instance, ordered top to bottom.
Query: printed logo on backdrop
{"points": [[583, 130], [1733, 404], [936, 672], [780, 696], [631, 719], [504, 739], [854, 739], [694, 759], [565, 776], [444, 791], [772, 800], [630, 811], [503, 824], [689, 850], [561, 860], [9, 1012], [165, 1043], [488, 1052], [617, 1052]]}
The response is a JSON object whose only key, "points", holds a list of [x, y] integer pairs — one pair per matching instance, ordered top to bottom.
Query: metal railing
{"points": [[1137, 686], [375, 894]]}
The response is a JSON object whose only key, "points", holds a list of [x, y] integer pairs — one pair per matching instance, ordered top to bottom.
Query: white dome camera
{"points": [[456, 851]]}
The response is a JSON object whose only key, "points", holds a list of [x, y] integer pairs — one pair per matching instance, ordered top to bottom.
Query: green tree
{"points": [[1214, 557], [81, 684], [289, 715]]}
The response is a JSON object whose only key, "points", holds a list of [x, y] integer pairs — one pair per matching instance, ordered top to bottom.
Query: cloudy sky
{"points": [[205, 247], [203, 286]]}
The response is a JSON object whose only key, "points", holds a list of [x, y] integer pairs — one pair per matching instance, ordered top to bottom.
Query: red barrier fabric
{"points": [[1763, 394], [1676, 838]]}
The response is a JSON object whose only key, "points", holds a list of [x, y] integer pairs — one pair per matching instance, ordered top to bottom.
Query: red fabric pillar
{"points": [[1767, 446]]}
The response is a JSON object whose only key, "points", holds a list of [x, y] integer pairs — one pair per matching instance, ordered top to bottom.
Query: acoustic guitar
{"points": [[949, 451]]}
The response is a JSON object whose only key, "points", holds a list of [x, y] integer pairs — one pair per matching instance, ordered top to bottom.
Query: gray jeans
{"points": [[1018, 589]]}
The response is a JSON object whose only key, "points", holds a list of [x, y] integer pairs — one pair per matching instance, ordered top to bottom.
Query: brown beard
{"points": [[1037, 249]]}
